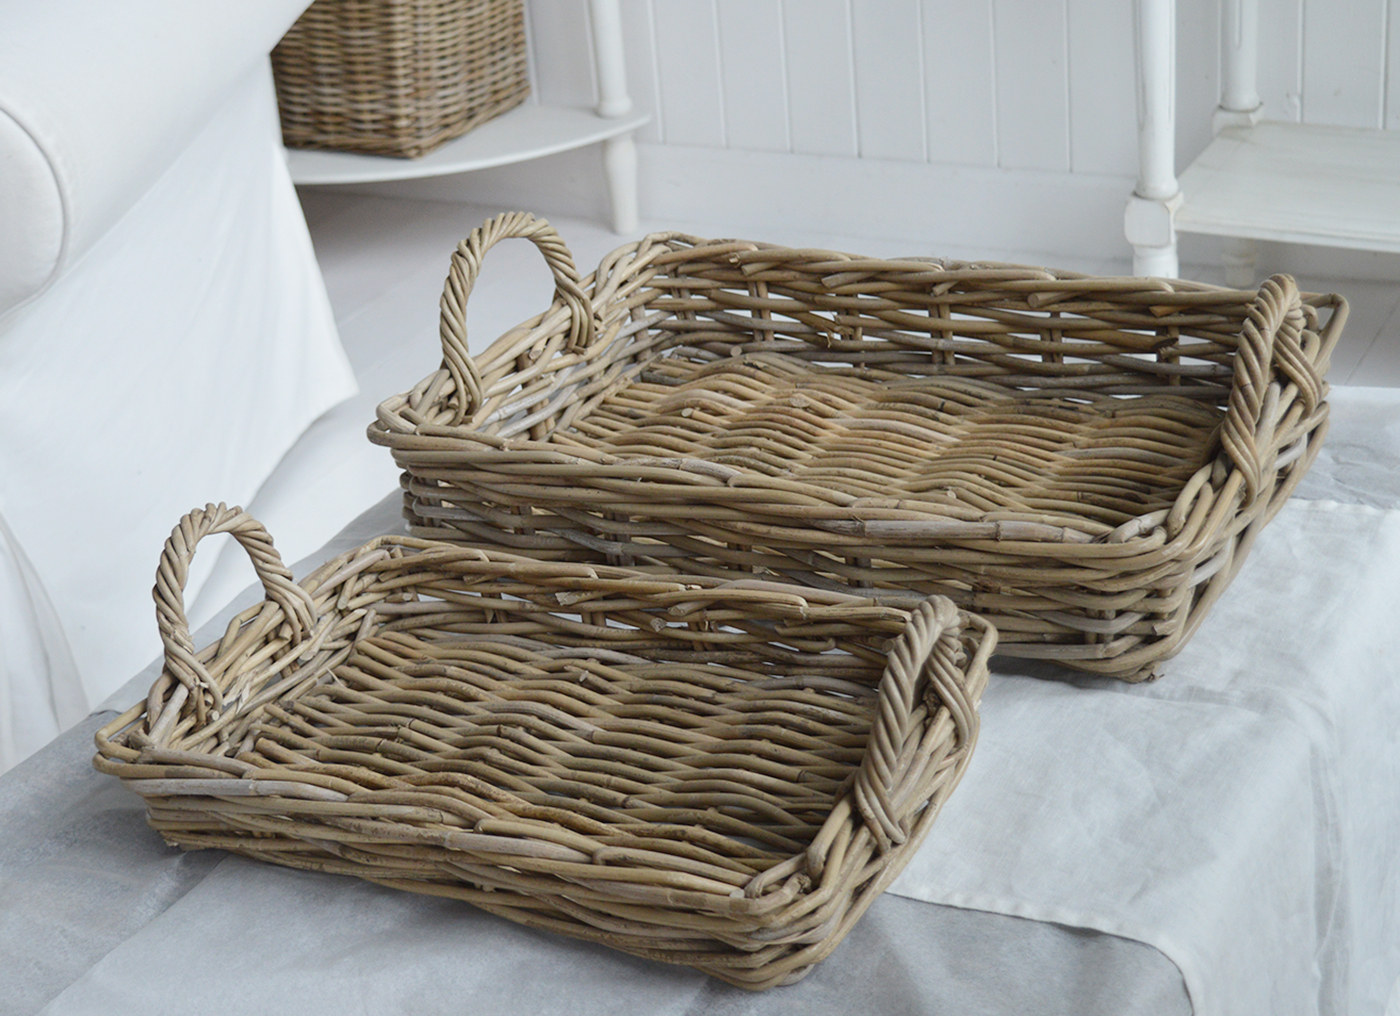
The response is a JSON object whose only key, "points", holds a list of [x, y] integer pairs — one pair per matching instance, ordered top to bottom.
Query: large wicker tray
{"points": [[1084, 461], [719, 774]]}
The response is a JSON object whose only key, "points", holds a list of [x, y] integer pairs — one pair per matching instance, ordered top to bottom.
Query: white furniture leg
{"points": [[1240, 104], [619, 153], [620, 169], [1149, 221], [1239, 258]]}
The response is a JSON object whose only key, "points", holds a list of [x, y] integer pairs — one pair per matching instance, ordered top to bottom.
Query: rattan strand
{"points": [[398, 77], [1084, 461], [721, 774]]}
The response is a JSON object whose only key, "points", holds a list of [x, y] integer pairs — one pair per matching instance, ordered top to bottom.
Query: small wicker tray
{"points": [[398, 77], [1084, 461], [718, 774]]}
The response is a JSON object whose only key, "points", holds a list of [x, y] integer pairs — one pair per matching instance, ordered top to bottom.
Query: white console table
{"points": [[529, 131], [1257, 179]]}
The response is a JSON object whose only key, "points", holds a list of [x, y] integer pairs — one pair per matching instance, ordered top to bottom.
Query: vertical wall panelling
{"points": [[887, 44], [639, 53], [561, 54], [687, 58], [1280, 59], [1343, 62], [1392, 67], [754, 75], [1197, 75], [820, 79], [1102, 83], [1032, 84], [960, 86], [777, 106]]}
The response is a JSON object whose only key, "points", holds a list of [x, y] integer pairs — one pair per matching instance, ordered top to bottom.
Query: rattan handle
{"points": [[461, 277], [1337, 320], [1270, 343], [914, 658], [180, 661]]}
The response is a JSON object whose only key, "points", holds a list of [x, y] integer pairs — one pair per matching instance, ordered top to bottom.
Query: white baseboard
{"points": [[878, 207], [917, 207], [929, 208]]}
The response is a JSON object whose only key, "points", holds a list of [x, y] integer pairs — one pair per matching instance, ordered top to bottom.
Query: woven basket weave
{"points": [[398, 77], [1084, 461], [718, 774]]}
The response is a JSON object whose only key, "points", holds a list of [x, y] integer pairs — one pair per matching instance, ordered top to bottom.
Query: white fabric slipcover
{"points": [[97, 99], [165, 334]]}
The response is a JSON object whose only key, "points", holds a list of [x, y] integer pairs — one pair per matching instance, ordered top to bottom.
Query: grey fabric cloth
{"points": [[96, 914]]}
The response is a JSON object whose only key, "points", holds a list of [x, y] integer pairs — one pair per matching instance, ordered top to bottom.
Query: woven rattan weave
{"points": [[398, 77], [1084, 461], [722, 774]]}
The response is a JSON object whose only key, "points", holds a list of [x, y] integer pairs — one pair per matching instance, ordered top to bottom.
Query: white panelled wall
{"points": [[988, 128]]}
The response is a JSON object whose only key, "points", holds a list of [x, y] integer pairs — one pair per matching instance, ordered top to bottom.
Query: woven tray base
{"points": [[948, 447], [728, 758]]}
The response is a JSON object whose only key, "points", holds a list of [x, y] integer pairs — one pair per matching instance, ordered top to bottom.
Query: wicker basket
{"points": [[398, 77], [1084, 461], [719, 774]]}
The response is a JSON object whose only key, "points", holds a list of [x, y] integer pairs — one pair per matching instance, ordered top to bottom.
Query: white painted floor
{"points": [[384, 262]]}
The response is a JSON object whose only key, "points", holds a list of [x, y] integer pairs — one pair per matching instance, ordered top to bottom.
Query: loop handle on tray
{"points": [[461, 277], [1270, 344], [180, 660], [878, 791]]}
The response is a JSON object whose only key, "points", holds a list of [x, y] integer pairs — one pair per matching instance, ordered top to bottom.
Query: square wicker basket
{"points": [[398, 77], [1084, 461], [721, 774]]}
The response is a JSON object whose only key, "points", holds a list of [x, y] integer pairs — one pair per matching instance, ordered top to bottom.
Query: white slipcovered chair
{"points": [[165, 334]]}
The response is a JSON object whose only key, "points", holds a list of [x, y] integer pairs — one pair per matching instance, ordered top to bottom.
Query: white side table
{"points": [[527, 132], [1257, 179]]}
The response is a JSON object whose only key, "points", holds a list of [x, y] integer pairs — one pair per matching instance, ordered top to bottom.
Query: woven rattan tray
{"points": [[398, 77], [1084, 461], [719, 774]]}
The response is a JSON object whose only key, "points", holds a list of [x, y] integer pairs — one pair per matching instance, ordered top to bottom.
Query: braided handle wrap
{"points": [[461, 277], [1270, 342], [915, 654], [180, 661]]}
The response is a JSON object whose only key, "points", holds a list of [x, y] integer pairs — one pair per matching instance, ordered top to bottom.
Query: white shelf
{"points": [[526, 132], [1334, 186]]}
